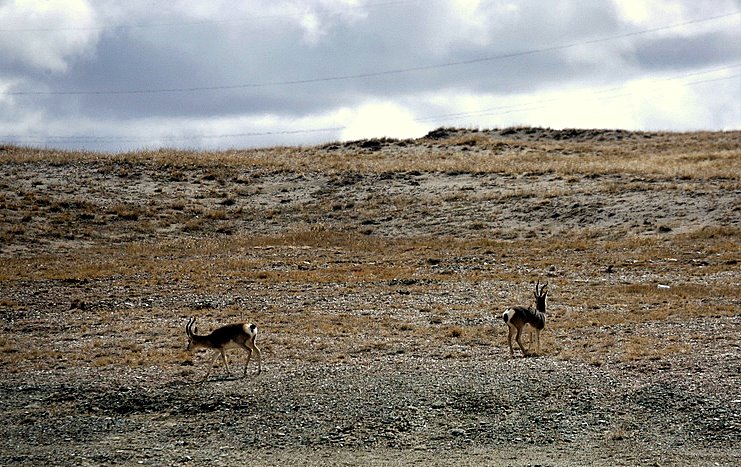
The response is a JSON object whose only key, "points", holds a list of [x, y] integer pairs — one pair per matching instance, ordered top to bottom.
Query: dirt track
{"points": [[377, 295]]}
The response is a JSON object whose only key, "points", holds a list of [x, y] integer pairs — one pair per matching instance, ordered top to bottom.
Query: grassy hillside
{"points": [[427, 239], [377, 272]]}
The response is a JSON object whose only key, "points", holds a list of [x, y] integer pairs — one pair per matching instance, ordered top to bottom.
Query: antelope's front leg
{"points": [[518, 338], [509, 340], [213, 362], [226, 363]]}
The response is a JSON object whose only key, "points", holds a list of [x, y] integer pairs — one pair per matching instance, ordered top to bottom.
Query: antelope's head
{"points": [[540, 296], [190, 332]]}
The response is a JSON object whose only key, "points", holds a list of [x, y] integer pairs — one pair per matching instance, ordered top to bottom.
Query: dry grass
{"points": [[700, 155], [365, 270], [322, 292]]}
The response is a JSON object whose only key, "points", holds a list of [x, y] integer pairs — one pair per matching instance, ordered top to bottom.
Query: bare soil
{"points": [[377, 272]]}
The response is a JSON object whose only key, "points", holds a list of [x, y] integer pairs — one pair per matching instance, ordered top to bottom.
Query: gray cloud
{"points": [[702, 50], [222, 68]]}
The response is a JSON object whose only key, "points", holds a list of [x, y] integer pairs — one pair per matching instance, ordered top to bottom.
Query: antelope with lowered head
{"points": [[517, 317], [232, 335]]}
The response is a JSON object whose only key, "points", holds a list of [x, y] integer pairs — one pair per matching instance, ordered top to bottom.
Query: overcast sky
{"points": [[118, 75]]}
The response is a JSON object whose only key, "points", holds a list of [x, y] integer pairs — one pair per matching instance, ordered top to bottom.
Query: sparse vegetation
{"points": [[383, 256]]}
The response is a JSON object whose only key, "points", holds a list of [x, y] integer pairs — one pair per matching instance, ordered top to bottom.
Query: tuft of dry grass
{"points": [[640, 348]]}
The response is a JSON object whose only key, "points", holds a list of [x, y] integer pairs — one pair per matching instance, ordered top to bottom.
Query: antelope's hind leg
{"points": [[250, 348], [247, 349], [258, 355]]}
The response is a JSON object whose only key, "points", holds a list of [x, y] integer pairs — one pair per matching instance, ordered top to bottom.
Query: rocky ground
{"points": [[377, 291]]}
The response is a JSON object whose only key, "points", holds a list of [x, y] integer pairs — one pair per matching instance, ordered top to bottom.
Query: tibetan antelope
{"points": [[517, 317], [232, 335]]}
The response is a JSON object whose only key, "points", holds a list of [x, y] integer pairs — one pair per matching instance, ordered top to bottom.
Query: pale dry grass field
{"points": [[372, 251]]}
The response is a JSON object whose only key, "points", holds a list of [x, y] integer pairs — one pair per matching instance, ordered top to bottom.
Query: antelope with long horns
{"points": [[517, 317], [232, 335]]}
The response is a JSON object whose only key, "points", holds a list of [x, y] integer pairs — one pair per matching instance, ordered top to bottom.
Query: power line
{"points": [[376, 73], [544, 103], [528, 106], [502, 110], [116, 139]]}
